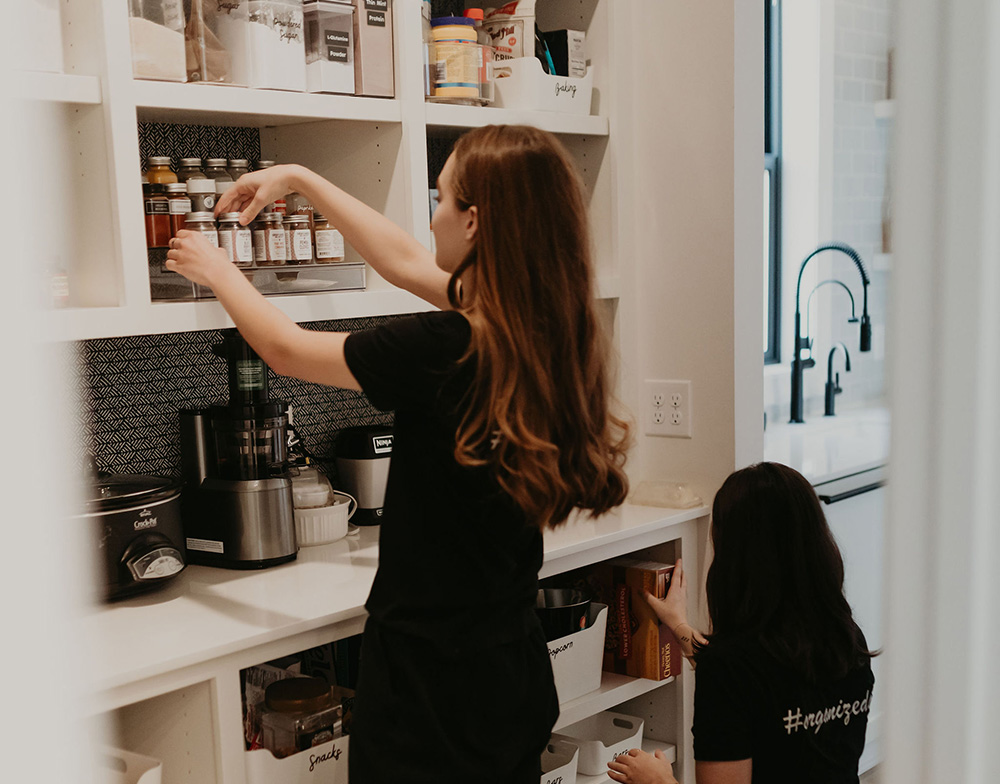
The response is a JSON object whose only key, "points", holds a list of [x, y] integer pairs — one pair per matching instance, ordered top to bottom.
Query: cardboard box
{"points": [[373, 67], [644, 647]]}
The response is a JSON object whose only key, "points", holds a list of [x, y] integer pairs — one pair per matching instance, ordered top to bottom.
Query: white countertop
{"points": [[827, 448], [207, 613]]}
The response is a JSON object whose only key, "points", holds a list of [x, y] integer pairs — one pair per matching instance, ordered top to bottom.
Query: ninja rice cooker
{"points": [[136, 525]]}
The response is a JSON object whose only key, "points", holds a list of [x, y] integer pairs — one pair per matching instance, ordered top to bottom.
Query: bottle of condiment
{"points": [[238, 167], [190, 169], [215, 169], [158, 170], [202, 193], [180, 205], [278, 205], [157, 209], [205, 223], [236, 240], [274, 240], [328, 241], [300, 250], [299, 713]]}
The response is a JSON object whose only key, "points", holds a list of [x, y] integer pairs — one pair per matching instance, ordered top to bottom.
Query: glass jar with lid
{"points": [[238, 167], [190, 169], [215, 169], [158, 170], [202, 193], [180, 206], [157, 210], [203, 222], [235, 239], [272, 239], [328, 242], [300, 250], [298, 714]]}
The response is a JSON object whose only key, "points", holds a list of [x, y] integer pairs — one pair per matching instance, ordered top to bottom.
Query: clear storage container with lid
{"points": [[156, 28], [218, 40], [277, 45], [329, 46], [158, 169], [190, 169], [299, 713]]}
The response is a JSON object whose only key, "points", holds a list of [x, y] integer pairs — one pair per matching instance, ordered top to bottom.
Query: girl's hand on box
{"points": [[253, 192], [194, 257], [672, 610], [638, 767]]}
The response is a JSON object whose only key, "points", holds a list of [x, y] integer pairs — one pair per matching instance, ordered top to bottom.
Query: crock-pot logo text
{"points": [[382, 444], [146, 520], [316, 759]]}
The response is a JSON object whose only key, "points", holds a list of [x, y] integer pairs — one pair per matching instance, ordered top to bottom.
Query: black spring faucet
{"points": [[798, 363], [833, 381]]}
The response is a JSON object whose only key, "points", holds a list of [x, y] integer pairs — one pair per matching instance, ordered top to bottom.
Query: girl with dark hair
{"points": [[502, 427], [784, 680]]}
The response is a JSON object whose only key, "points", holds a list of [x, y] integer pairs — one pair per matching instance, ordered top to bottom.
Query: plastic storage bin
{"points": [[157, 32], [218, 41], [277, 45], [329, 47], [529, 87], [577, 658], [601, 738], [559, 761], [323, 764], [125, 767]]}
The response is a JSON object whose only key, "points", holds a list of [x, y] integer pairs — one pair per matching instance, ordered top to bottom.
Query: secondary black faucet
{"points": [[798, 363], [833, 382]]}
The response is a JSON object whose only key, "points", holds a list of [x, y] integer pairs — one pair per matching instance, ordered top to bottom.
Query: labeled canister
{"points": [[457, 58]]}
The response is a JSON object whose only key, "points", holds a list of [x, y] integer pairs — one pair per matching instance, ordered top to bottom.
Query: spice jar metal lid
{"points": [[158, 160], [191, 162], [215, 162], [239, 162], [265, 164], [201, 186], [177, 187], [153, 189], [270, 216], [199, 217], [229, 217], [297, 219], [299, 695]]}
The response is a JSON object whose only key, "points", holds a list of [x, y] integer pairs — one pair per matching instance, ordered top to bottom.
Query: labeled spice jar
{"points": [[238, 167], [190, 169], [215, 169], [158, 170], [202, 193], [154, 196], [297, 204], [180, 206], [203, 222], [235, 239], [269, 241], [328, 241], [300, 250], [299, 713]]}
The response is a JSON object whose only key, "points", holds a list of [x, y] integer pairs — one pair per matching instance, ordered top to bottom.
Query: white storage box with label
{"points": [[329, 47], [529, 87], [577, 658], [601, 738], [559, 762], [322, 764], [126, 767]]}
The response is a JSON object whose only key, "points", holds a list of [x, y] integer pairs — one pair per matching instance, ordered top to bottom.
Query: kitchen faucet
{"points": [[798, 363], [833, 384]]}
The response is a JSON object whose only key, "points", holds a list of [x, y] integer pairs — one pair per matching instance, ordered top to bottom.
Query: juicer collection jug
{"points": [[237, 500]]}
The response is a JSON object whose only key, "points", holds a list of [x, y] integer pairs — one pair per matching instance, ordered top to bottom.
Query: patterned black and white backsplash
{"points": [[197, 141], [133, 387]]}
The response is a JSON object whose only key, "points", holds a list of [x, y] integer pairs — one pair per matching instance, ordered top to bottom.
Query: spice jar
{"points": [[238, 167], [190, 169], [215, 169], [158, 170], [202, 193], [154, 196], [297, 204], [180, 206], [203, 222], [236, 240], [270, 241], [328, 241], [300, 250], [299, 713]]}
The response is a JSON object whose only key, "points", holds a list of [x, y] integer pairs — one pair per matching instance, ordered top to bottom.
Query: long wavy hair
{"points": [[538, 410], [778, 576]]}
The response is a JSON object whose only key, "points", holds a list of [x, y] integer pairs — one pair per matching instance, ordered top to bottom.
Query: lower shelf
{"points": [[615, 689], [648, 746]]}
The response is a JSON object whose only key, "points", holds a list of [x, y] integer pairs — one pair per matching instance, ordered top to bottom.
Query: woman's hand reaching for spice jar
{"points": [[256, 190], [194, 257]]}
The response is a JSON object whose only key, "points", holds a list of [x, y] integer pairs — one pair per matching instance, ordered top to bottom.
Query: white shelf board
{"points": [[59, 88], [244, 107], [885, 110], [442, 115], [163, 317], [615, 689], [648, 746]]}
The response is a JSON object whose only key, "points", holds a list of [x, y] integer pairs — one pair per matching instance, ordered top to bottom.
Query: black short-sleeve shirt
{"points": [[457, 561], [749, 705]]}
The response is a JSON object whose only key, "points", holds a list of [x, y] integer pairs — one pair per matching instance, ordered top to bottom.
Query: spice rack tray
{"points": [[59, 88], [221, 104], [441, 115]]}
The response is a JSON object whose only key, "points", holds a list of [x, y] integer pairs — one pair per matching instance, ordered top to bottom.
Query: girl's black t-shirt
{"points": [[458, 564], [748, 705]]}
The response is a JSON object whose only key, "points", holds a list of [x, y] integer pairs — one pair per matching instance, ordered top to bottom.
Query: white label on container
{"points": [[180, 206], [212, 236], [226, 243], [329, 244], [276, 245], [302, 245], [260, 246], [243, 251], [206, 545]]}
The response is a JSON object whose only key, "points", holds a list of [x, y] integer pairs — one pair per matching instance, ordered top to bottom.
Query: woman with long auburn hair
{"points": [[502, 428], [784, 682]]}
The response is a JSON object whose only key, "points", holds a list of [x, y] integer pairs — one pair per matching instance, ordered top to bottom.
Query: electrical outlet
{"points": [[667, 408]]}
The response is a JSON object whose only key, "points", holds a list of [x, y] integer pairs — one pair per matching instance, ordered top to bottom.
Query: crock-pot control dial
{"points": [[156, 564]]}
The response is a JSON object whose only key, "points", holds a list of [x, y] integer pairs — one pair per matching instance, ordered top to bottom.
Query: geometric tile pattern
{"points": [[201, 141], [131, 389]]}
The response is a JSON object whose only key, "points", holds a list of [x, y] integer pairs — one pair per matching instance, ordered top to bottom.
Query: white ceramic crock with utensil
{"points": [[324, 524]]}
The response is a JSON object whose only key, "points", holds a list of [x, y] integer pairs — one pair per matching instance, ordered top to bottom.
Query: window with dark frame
{"points": [[772, 182]]}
